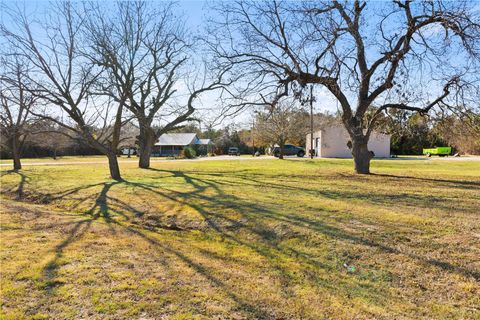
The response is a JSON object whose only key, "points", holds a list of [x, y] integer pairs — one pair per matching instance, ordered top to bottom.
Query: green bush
{"points": [[189, 153]]}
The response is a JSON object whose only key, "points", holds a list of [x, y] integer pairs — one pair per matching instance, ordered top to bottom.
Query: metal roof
{"points": [[177, 139], [204, 141]]}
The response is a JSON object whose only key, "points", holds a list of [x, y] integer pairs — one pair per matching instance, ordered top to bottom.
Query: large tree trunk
{"points": [[146, 140], [361, 154], [144, 155], [113, 166]]}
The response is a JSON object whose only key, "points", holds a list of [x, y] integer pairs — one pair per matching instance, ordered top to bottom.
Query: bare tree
{"points": [[145, 49], [397, 55], [64, 79], [16, 103], [279, 125], [128, 134], [48, 135]]}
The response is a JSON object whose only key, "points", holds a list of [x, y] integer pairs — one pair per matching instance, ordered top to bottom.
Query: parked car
{"points": [[289, 150], [233, 151]]}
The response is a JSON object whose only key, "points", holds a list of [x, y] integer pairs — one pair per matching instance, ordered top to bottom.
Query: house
{"points": [[331, 142], [172, 144]]}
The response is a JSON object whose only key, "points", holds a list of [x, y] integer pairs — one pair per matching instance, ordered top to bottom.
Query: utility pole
{"points": [[255, 113], [311, 122], [253, 135]]}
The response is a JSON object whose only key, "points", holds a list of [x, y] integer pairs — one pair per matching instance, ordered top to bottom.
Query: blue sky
{"points": [[195, 12]]}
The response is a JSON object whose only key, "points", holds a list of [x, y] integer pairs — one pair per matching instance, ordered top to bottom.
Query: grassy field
{"points": [[69, 159], [72, 159], [265, 239]]}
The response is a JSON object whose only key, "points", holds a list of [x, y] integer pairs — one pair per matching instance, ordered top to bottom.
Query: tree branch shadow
{"points": [[463, 184], [19, 190], [214, 202]]}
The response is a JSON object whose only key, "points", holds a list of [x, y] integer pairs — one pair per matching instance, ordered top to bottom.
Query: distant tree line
{"points": [[410, 133]]}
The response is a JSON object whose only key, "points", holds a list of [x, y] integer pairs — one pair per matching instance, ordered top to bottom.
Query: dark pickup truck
{"points": [[289, 150]]}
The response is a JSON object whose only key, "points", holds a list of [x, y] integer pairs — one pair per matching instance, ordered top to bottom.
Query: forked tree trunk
{"points": [[146, 140], [361, 155], [114, 167]]}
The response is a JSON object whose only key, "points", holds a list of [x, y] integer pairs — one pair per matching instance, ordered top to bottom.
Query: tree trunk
{"points": [[146, 140], [14, 144], [282, 149], [144, 154], [361, 154], [17, 165], [114, 167]]}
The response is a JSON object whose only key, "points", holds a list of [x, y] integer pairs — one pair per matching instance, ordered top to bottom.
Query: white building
{"points": [[331, 142]]}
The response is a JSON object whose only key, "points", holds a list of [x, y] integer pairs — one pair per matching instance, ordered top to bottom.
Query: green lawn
{"points": [[265, 239]]}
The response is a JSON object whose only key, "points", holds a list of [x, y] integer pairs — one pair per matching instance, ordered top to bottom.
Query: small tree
{"points": [[16, 103], [282, 123], [128, 133], [48, 135]]}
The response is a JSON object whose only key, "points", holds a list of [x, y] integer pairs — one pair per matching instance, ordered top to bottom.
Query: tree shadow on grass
{"points": [[462, 184], [19, 189], [220, 199], [390, 199], [210, 200], [99, 209], [102, 209], [333, 232], [50, 271], [253, 310]]}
